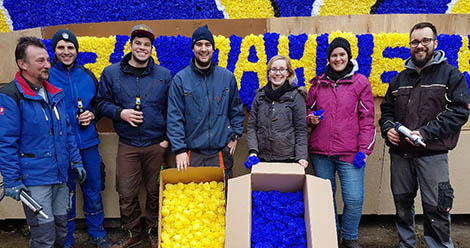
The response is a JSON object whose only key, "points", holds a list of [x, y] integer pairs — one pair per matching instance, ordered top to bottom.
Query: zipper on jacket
{"points": [[137, 85], [74, 91], [44, 111], [209, 112]]}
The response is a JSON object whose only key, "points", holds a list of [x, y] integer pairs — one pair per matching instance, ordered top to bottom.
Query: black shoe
{"points": [[128, 240], [350, 244]]}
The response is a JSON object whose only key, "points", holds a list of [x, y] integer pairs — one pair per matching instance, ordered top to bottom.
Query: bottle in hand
{"points": [[138, 105], [80, 111]]}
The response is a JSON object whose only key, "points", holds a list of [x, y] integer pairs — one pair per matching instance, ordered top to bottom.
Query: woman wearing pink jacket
{"points": [[341, 114]]}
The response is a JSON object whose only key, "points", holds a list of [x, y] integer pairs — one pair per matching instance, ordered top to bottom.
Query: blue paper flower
{"points": [[413, 7], [295, 8], [30, 13], [271, 41], [365, 44], [451, 45], [322, 53], [278, 219]]}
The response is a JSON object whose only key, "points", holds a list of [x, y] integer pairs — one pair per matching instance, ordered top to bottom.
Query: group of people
{"points": [[48, 139]]}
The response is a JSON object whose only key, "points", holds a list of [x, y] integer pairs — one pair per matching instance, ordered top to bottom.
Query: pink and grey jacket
{"points": [[348, 124]]}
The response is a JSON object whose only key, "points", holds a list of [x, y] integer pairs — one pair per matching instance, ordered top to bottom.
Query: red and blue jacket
{"points": [[37, 146]]}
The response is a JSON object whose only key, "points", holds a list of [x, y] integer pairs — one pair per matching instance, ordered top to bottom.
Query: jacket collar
{"points": [[438, 58], [61, 67], [125, 67], [199, 71], [347, 79], [26, 90]]}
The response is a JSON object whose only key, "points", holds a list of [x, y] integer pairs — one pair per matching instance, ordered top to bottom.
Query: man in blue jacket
{"points": [[80, 85], [133, 93], [205, 113], [37, 146]]}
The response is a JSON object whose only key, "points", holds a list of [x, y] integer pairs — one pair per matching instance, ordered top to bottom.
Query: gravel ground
{"points": [[374, 232]]}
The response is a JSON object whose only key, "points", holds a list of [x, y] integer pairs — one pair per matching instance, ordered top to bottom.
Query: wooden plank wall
{"points": [[378, 198]]}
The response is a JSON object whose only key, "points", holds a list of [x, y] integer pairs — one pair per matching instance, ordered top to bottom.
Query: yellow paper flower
{"points": [[346, 7], [461, 7], [237, 9], [3, 23], [223, 45], [103, 47], [464, 56], [308, 60], [381, 64], [244, 65], [192, 215]]}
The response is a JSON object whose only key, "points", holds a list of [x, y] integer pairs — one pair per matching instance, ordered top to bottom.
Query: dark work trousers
{"points": [[221, 159], [136, 165], [431, 175]]}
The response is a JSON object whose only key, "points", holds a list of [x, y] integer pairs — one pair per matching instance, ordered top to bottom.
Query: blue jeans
{"points": [[352, 188], [92, 202]]}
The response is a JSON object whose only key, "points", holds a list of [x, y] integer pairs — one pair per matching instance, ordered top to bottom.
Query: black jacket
{"points": [[432, 101], [277, 130]]}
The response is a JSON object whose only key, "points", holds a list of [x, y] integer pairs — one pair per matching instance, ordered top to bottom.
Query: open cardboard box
{"points": [[193, 174], [284, 177]]}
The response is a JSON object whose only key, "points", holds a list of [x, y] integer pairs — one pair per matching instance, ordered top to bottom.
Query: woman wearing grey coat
{"points": [[276, 128]]}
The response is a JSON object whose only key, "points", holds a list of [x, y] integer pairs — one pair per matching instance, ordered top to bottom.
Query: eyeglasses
{"points": [[424, 41], [276, 70]]}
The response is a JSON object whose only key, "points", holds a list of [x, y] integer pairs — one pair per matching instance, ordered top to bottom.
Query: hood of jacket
{"points": [[438, 57]]}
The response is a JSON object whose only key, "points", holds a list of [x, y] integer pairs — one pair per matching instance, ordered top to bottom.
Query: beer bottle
{"points": [[138, 105], [80, 111]]}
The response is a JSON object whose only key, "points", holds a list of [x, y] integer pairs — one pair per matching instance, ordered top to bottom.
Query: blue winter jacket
{"points": [[78, 82], [118, 89], [204, 110], [37, 146]]}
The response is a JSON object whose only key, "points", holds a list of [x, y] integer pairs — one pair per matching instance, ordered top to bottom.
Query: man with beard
{"points": [[79, 86], [133, 93], [429, 97], [205, 113], [37, 145]]}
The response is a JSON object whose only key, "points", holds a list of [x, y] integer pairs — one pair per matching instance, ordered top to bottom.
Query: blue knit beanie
{"points": [[202, 33], [64, 34]]}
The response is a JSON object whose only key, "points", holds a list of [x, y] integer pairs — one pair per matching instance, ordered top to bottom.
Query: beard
{"points": [[422, 62], [203, 64], [41, 77]]}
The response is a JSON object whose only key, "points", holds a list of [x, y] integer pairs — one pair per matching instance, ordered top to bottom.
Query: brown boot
{"points": [[152, 237], [129, 239]]}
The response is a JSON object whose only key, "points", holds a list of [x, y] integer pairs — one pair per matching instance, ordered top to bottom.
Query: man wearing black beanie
{"points": [[205, 113]]}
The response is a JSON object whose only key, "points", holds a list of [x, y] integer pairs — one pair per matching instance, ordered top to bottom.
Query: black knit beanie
{"points": [[202, 33], [66, 35], [340, 42]]}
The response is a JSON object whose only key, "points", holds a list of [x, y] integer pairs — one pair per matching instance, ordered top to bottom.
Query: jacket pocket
{"points": [[402, 96], [434, 96], [222, 102], [192, 104]]}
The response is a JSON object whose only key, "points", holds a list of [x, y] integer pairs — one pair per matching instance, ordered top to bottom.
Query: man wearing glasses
{"points": [[429, 97]]}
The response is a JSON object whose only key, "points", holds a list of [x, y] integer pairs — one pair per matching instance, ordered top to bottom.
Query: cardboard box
{"points": [[193, 174], [284, 177]]}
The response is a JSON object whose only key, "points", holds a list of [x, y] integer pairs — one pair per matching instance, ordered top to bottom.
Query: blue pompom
{"points": [[359, 160]]}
